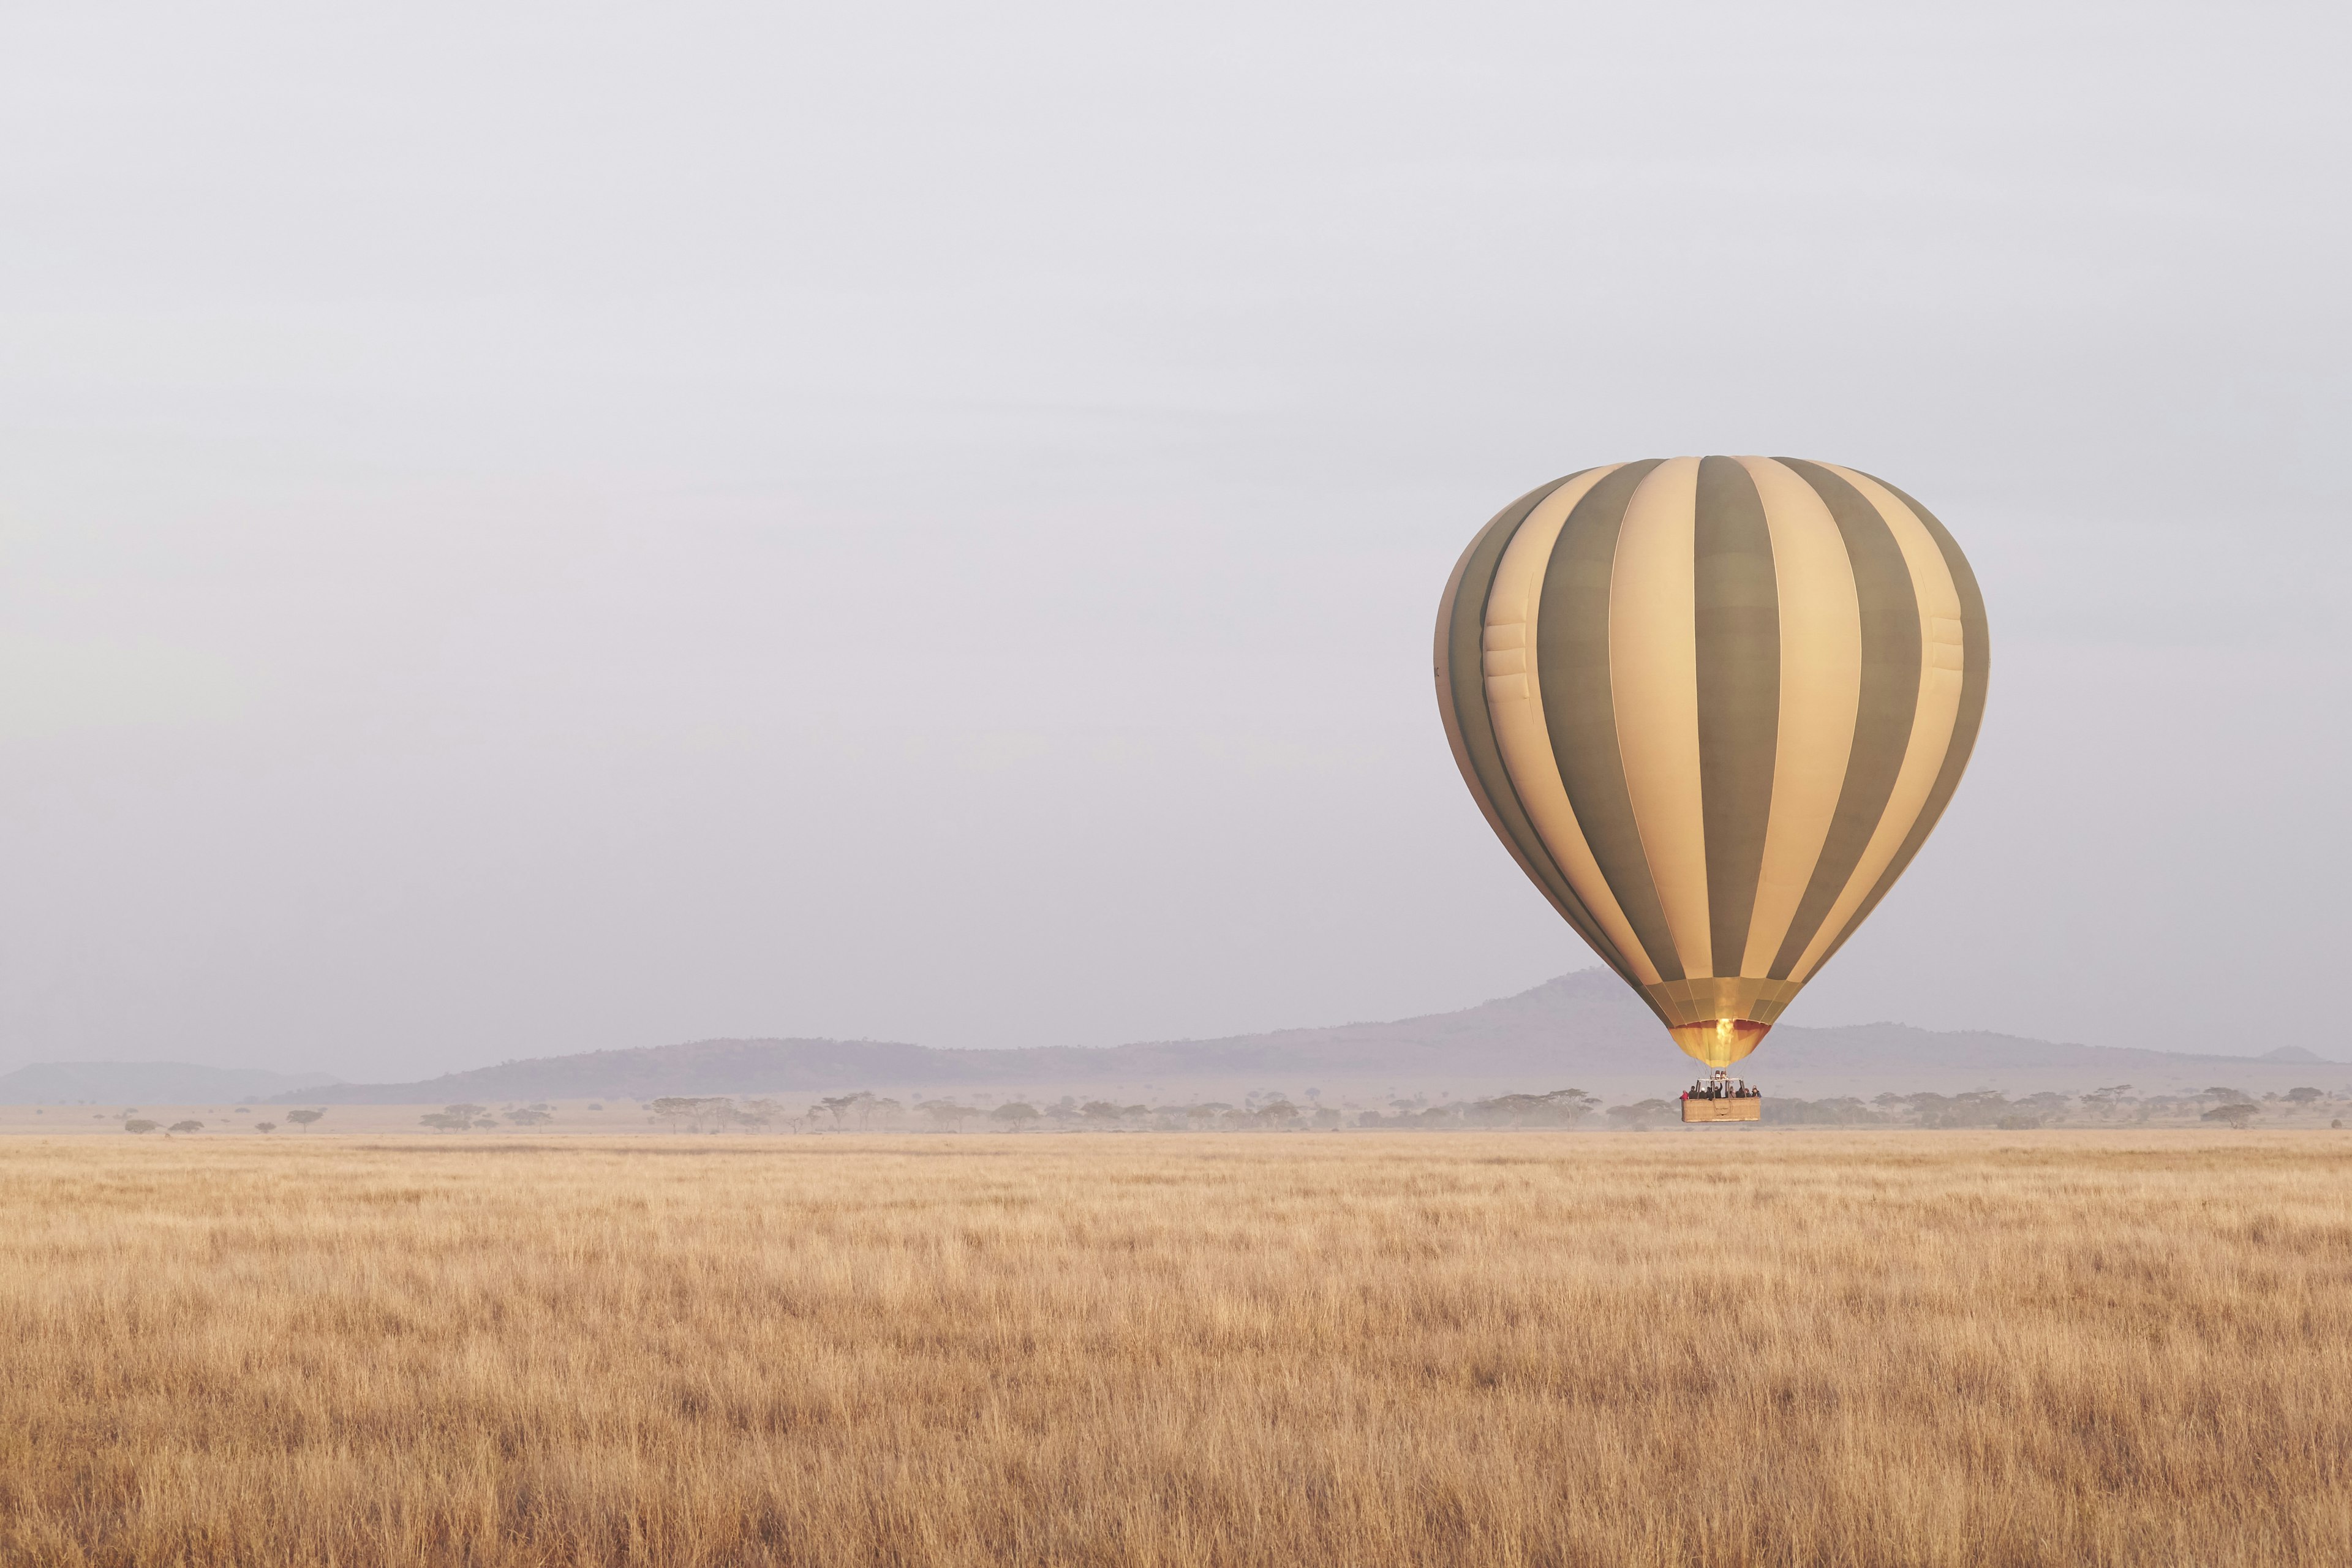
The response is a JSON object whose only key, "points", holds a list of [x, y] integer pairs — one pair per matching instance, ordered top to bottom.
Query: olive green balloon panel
{"points": [[1713, 706]]}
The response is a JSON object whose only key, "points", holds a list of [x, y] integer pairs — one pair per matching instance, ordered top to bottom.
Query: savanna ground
{"points": [[1707, 1347]]}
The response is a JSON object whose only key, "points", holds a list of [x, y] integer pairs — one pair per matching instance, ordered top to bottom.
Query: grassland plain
{"points": [[1835, 1348]]}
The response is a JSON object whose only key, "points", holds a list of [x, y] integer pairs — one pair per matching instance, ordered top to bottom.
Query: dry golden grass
{"points": [[1702, 1348]]}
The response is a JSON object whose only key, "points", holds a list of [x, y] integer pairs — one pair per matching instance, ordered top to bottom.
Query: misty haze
{"points": [[602, 536], [728, 839]]}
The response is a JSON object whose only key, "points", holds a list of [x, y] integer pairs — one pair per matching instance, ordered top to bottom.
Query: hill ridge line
{"points": [[1583, 1028]]}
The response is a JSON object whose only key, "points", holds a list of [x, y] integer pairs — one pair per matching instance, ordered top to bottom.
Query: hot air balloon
{"points": [[1713, 706]]}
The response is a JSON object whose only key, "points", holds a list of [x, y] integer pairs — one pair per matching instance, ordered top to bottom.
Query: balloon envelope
{"points": [[1713, 706]]}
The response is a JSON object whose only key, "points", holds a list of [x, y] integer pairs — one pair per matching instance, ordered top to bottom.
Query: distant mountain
{"points": [[1584, 1030], [146, 1083]]}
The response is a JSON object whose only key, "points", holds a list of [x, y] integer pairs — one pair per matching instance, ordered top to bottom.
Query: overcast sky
{"points": [[535, 527]]}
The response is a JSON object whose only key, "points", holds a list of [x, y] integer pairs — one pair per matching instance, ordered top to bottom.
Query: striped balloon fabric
{"points": [[1713, 706]]}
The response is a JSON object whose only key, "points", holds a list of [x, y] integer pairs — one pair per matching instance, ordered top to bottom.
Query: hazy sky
{"points": [[532, 528]]}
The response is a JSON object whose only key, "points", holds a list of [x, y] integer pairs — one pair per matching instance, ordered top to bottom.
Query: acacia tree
{"points": [[2108, 1102], [840, 1105], [1571, 1105], [1560, 1108], [693, 1110], [2237, 1113], [1015, 1114], [303, 1118], [141, 1124], [191, 1125], [265, 1127]]}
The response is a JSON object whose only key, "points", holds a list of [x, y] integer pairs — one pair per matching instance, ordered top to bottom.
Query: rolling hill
{"points": [[1583, 1029]]}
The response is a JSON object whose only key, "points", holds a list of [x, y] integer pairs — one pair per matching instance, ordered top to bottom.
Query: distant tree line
{"points": [[2114, 1105], [1557, 1108], [1265, 1111]]}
